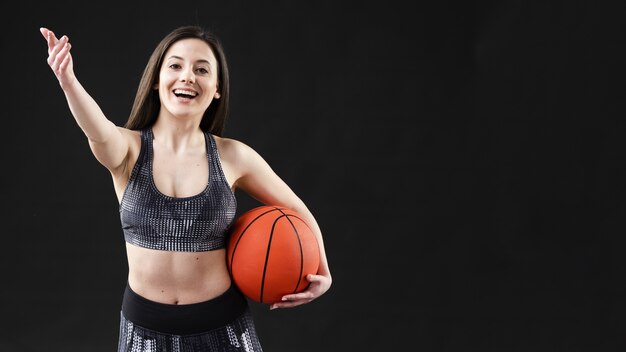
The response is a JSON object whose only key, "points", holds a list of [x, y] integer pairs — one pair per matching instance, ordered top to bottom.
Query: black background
{"points": [[465, 162]]}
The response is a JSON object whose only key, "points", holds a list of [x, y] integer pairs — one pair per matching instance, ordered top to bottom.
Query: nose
{"points": [[187, 75]]}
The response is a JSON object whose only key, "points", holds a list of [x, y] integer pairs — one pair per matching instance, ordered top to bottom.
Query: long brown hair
{"points": [[146, 105]]}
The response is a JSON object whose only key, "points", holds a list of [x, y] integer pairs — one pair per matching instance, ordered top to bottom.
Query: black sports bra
{"points": [[153, 220]]}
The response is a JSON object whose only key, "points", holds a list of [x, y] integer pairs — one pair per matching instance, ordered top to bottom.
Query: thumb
{"points": [[314, 278]]}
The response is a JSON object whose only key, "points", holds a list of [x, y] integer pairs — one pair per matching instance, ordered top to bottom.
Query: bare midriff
{"points": [[177, 277]]}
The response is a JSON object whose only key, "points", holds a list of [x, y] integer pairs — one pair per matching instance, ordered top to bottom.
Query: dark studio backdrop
{"points": [[465, 162]]}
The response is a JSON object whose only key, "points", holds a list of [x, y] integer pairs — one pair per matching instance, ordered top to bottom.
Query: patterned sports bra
{"points": [[153, 220]]}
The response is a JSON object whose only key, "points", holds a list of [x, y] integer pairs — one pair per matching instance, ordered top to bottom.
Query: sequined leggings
{"points": [[223, 323]]}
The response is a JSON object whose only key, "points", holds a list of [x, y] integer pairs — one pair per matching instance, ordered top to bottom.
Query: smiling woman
{"points": [[187, 84], [175, 177]]}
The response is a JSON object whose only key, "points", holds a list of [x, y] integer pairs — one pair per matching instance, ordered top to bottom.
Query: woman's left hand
{"points": [[318, 285]]}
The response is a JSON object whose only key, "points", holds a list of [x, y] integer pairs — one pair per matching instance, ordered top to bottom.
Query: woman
{"points": [[179, 295]]}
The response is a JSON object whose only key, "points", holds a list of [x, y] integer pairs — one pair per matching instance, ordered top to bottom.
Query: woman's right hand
{"points": [[59, 57]]}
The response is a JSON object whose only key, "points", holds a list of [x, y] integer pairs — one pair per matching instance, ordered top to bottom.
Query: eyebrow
{"points": [[180, 58]]}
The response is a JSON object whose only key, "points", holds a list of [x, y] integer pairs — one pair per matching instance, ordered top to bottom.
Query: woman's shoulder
{"points": [[231, 149]]}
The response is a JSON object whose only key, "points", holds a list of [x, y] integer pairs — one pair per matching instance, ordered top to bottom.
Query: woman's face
{"points": [[188, 78]]}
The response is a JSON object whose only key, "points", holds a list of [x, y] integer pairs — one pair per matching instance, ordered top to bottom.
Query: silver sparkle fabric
{"points": [[154, 220], [239, 335]]}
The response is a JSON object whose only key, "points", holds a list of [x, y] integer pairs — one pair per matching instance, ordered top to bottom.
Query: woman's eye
{"points": [[175, 66], [203, 70]]}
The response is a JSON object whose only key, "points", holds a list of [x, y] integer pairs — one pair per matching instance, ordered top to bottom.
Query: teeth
{"points": [[186, 92]]}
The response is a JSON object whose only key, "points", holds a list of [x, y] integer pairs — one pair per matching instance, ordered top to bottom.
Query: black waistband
{"points": [[184, 319]]}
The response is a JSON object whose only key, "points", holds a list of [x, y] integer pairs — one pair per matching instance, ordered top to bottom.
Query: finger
{"points": [[47, 34], [52, 40], [56, 49], [59, 57], [67, 57], [314, 278], [298, 296], [289, 304]]}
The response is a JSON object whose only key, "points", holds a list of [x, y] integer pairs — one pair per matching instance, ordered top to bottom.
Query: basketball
{"points": [[270, 250]]}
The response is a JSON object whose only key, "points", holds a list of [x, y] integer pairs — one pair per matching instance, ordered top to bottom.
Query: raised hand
{"points": [[59, 57]]}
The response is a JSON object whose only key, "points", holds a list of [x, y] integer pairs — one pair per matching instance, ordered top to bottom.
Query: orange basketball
{"points": [[270, 251]]}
